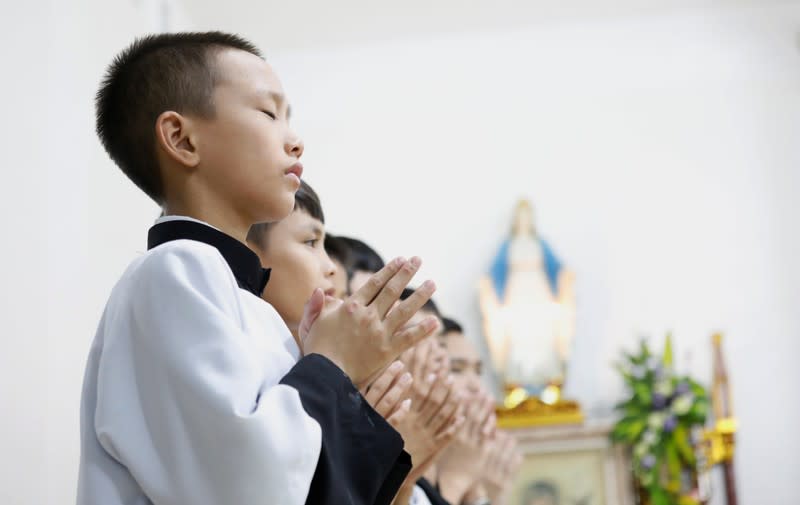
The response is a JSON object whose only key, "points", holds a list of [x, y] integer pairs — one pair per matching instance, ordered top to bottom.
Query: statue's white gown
{"points": [[530, 316]]}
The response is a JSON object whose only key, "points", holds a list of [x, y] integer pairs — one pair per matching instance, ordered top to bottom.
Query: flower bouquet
{"points": [[660, 422]]}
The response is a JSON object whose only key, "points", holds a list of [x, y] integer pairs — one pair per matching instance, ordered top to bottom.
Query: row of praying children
{"points": [[344, 387], [448, 425]]}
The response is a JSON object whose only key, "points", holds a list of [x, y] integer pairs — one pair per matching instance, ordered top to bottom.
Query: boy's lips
{"points": [[296, 169]]}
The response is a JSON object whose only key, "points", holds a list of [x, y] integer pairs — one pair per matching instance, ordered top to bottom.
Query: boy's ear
{"points": [[175, 136]]}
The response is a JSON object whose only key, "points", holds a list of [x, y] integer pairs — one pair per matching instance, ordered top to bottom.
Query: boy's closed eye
{"points": [[272, 104], [314, 236], [460, 365]]}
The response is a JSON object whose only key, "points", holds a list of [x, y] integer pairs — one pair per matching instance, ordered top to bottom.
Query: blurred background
{"points": [[657, 140]]}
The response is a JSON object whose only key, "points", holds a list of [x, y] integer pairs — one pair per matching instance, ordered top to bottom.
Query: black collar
{"points": [[243, 262], [432, 492]]}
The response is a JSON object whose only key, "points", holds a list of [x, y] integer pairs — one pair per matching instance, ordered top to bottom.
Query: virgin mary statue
{"points": [[528, 305]]}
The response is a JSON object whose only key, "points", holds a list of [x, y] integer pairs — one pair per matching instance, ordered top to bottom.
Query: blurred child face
{"points": [[248, 154], [295, 252], [359, 278], [339, 280], [421, 315], [439, 355], [466, 364]]}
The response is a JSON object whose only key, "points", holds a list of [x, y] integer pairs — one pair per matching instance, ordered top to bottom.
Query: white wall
{"points": [[660, 152], [70, 221], [23, 385]]}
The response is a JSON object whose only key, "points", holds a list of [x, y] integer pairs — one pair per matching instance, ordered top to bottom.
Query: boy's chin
{"points": [[281, 208]]}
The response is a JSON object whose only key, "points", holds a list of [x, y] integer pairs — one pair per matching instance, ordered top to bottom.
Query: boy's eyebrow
{"points": [[274, 95], [316, 229], [465, 361]]}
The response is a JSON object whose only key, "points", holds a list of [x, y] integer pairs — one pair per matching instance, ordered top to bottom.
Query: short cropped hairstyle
{"points": [[155, 74], [305, 199], [337, 250], [362, 257], [430, 305], [450, 325]]}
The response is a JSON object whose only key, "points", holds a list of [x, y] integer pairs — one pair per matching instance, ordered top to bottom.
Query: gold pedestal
{"points": [[519, 410]]}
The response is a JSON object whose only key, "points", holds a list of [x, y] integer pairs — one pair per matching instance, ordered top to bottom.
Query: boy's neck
{"points": [[231, 224], [293, 329], [432, 475]]}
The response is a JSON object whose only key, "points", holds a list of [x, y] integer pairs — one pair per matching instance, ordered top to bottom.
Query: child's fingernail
{"points": [[416, 261], [396, 366], [431, 378], [405, 379], [449, 380], [406, 404]]}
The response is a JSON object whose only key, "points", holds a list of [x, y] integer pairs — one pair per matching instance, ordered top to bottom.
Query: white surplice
{"points": [[181, 401]]}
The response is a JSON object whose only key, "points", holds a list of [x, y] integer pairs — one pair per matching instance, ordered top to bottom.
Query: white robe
{"points": [[182, 401], [418, 497]]}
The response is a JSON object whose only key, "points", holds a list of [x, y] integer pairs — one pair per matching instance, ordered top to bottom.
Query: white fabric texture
{"points": [[181, 400], [418, 497]]}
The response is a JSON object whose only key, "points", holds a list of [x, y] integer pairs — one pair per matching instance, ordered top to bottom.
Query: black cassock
{"points": [[362, 458]]}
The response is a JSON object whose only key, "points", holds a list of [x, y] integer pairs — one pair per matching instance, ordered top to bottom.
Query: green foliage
{"points": [[657, 420], [683, 444]]}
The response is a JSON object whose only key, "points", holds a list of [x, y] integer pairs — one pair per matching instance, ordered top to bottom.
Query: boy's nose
{"points": [[294, 146], [330, 268], [474, 384]]}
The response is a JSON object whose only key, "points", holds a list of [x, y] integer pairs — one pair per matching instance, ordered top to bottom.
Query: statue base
{"points": [[520, 410]]}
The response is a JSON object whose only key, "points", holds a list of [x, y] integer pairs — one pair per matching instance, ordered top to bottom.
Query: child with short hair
{"points": [[295, 249], [339, 253], [363, 262], [195, 391], [479, 466]]}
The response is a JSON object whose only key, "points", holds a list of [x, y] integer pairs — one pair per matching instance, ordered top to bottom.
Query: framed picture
{"points": [[571, 465]]}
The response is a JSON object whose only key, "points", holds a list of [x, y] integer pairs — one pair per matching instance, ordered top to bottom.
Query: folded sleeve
{"points": [[183, 401], [362, 460]]}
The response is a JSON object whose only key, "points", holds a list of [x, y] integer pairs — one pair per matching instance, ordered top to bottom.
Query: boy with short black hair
{"points": [[295, 250], [339, 253], [364, 261], [195, 391], [497, 456]]}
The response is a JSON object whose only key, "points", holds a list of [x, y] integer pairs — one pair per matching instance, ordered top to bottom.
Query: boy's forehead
{"points": [[248, 73], [300, 218], [459, 345]]}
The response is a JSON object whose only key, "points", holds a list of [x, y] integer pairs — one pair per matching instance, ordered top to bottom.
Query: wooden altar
{"points": [[571, 465]]}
